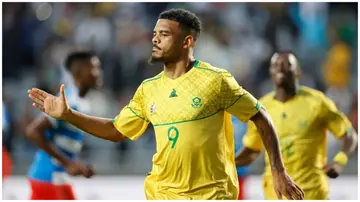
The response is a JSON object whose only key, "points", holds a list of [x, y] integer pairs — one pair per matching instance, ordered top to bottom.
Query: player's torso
{"points": [[190, 133], [302, 134], [66, 138]]}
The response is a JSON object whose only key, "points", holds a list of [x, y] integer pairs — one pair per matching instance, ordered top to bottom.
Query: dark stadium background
{"points": [[239, 37]]}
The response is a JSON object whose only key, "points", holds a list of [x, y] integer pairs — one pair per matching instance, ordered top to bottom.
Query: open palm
{"points": [[56, 107]]}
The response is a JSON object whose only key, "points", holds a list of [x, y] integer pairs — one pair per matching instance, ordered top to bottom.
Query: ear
{"points": [[188, 41], [274, 57], [294, 62]]}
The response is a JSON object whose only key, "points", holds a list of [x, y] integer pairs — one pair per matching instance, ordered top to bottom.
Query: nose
{"points": [[155, 40], [286, 67]]}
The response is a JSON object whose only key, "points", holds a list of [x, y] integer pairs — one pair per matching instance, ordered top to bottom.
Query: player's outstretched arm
{"points": [[58, 108], [100, 127], [36, 133], [245, 157], [283, 184]]}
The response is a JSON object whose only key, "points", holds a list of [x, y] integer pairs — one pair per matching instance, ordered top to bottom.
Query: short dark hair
{"points": [[187, 20], [288, 53], [77, 56]]}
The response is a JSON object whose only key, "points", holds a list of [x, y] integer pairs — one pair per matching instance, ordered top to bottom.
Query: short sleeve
{"points": [[236, 100], [336, 121], [132, 122], [252, 139]]}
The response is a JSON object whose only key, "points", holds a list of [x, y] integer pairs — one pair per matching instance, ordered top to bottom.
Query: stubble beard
{"points": [[153, 60]]}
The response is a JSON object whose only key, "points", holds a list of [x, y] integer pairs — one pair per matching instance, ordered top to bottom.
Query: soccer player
{"points": [[189, 105], [301, 117], [59, 141], [242, 172]]}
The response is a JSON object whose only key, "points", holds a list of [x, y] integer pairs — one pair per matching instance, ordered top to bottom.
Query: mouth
{"points": [[155, 49], [280, 75]]}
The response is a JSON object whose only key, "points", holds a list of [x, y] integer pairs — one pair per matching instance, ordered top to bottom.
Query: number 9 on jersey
{"points": [[173, 135]]}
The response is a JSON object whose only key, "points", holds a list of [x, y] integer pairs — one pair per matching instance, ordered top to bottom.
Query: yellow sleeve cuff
{"points": [[341, 158]]}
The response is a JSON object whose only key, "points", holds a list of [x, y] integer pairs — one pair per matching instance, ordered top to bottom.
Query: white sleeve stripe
{"points": [[68, 144]]}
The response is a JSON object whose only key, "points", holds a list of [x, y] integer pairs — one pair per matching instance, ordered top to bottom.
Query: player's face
{"points": [[167, 41], [283, 69], [89, 74], [95, 79]]}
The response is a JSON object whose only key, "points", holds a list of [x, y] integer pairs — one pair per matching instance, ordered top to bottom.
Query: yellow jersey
{"points": [[191, 116], [301, 124]]}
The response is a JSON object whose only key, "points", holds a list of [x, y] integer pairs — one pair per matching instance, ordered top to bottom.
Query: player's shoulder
{"points": [[205, 67], [153, 79], [312, 93]]}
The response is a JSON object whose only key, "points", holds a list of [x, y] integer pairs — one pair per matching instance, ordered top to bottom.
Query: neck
{"points": [[174, 70], [285, 93]]}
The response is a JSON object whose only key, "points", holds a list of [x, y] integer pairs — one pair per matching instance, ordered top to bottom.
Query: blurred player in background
{"points": [[190, 105], [301, 116], [240, 129], [59, 141], [6, 160]]}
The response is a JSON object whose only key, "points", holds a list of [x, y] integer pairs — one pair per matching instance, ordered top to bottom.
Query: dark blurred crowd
{"points": [[240, 37]]}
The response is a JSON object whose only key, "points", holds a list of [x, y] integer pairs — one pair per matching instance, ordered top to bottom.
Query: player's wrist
{"points": [[68, 113], [278, 169]]}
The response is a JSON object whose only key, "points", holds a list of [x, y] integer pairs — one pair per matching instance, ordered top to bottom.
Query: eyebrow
{"points": [[163, 31]]}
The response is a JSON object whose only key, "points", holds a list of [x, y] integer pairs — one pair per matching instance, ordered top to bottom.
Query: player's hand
{"points": [[56, 107], [76, 168], [333, 169], [285, 186]]}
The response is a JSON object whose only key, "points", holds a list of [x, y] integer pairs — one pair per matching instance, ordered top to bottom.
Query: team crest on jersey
{"points": [[196, 102], [152, 108]]}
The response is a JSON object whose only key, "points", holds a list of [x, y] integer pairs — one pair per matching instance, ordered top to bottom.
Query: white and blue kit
{"points": [[66, 137]]}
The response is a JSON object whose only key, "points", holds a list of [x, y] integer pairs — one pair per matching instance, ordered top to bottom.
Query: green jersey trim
{"points": [[196, 63], [151, 79], [234, 101], [258, 106], [136, 114], [198, 119]]}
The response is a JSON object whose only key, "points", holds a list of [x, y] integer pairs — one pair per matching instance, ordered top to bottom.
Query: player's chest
{"points": [[175, 103], [295, 118]]}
